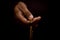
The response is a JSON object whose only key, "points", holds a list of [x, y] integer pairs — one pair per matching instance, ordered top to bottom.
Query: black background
{"points": [[8, 22]]}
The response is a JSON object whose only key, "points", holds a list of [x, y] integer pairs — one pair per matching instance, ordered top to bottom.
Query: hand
{"points": [[21, 12]]}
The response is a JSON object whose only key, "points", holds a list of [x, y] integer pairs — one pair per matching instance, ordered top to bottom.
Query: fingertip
{"points": [[30, 17], [39, 17]]}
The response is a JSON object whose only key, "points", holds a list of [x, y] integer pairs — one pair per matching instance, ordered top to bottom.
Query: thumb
{"points": [[36, 19]]}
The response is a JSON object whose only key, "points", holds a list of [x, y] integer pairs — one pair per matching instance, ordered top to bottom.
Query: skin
{"points": [[24, 15]]}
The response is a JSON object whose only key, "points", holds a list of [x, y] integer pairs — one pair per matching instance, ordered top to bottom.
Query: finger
{"points": [[20, 16], [23, 19], [36, 19]]}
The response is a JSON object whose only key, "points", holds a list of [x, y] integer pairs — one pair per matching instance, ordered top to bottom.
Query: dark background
{"points": [[9, 25]]}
